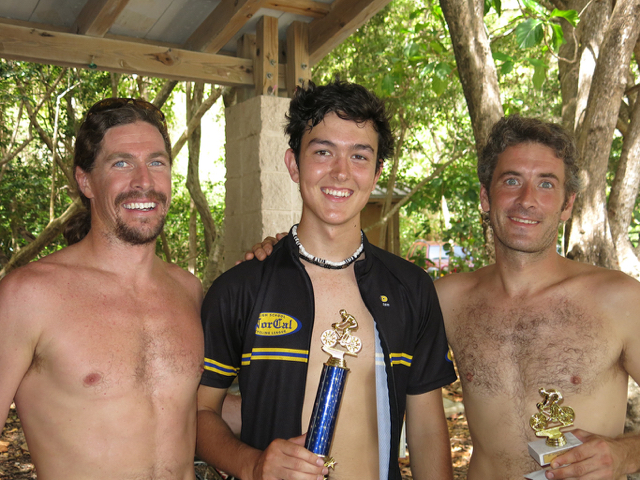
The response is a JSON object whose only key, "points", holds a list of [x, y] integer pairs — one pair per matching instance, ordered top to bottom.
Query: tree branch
{"points": [[407, 197], [50, 232]]}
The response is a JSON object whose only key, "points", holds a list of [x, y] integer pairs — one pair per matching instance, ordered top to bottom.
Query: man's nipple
{"points": [[469, 377], [92, 379], [576, 380]]}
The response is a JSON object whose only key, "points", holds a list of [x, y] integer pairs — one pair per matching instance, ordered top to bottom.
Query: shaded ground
{"points": [[15, 461]]}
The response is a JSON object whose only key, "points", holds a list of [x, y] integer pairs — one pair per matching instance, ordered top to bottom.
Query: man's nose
{"points": [[341, 168], [141, 179], [527, 195]]}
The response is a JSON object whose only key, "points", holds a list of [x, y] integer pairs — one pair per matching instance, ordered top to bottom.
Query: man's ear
{"points": [[292, 166], [375, 180], [84, 182], [484, 199], [568, 208]]}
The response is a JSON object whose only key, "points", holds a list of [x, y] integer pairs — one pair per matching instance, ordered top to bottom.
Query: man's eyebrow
{"points": [[329, 143], [126, 155], [513, 173]]}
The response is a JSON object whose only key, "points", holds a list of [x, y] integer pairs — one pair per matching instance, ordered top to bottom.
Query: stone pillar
{"points": [[261, 199]]}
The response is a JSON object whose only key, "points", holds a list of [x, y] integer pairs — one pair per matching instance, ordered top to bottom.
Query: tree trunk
{"points": [[578, 57], [476, 67], [477, 72], [194, 104], [623, 195], [193, 238], [590, 238]]}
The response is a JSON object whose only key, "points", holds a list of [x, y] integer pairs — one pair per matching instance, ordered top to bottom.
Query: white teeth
{"points": [[337, 193], [140, 206], [522, 220]]}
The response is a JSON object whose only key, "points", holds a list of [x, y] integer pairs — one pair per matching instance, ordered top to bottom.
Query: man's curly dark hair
{"points": [[349, 101]]}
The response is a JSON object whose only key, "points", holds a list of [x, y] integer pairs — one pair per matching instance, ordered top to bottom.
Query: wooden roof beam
{"points": [[308, 8], [97, 16], [345, 17], [221, 25], [81, 51]]}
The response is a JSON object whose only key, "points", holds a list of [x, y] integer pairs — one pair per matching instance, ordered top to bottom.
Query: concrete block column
{"points": [[261, 199]]}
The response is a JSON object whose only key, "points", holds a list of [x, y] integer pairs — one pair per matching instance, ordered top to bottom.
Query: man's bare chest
{"points": [[107, 344], [516, 348]]}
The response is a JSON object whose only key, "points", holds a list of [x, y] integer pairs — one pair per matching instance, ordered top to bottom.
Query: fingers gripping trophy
{"points": [[337, 342]]}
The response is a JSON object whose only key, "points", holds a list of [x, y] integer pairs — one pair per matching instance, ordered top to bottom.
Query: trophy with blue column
{"points": [[332, 381]]}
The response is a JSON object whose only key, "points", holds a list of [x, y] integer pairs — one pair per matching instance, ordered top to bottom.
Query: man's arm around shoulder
{"points": [[20, 329], [428, 437], [216, 444]]}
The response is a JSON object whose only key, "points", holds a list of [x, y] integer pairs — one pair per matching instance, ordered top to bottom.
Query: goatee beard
{"points": [[139, 236]]}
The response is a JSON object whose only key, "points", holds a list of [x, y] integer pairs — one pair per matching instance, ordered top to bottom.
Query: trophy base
{"points": [[544, 454], [539, 475]]}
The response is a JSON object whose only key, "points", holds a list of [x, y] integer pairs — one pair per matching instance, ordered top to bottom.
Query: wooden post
{"points": [[247, 48], [298, 68], [265, 72]]}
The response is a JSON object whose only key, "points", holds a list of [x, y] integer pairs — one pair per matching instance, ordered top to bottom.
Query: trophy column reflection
{"points": [[332, 381], [551, 417]]}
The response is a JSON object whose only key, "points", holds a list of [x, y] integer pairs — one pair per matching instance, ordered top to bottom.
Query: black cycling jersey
{"points": [[258, 319]]}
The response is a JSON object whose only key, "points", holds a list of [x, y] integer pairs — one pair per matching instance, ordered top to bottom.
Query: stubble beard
{"points": [[142, 233], [537, 245]]}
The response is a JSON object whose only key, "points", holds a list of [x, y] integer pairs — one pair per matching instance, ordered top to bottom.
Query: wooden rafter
{"points": [[307, 8], [97, 17], [345, 17], [221, 25], [88, 41], [58, 48]]}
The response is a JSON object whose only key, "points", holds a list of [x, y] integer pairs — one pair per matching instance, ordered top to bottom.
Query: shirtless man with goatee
{"points": [[536, 319], [263, 321], [101, 343]]}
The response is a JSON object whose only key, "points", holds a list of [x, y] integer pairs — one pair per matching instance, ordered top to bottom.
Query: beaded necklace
{"points": [[321, 262]]}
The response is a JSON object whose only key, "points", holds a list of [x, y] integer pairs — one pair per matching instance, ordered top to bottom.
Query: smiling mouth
{"points": [[337, 193], [141, 207], [524, 220]]}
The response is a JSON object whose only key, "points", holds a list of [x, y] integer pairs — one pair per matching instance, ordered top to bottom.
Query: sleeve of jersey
{"points": [[222, 314], [432, 366]]}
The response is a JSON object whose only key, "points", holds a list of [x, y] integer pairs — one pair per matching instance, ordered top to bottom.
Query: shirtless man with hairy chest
{"points": [[339, 136], [536, 319], [101, 342]]}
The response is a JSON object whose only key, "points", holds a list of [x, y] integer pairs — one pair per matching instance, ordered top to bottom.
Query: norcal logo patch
{"points": [[272, 324]]}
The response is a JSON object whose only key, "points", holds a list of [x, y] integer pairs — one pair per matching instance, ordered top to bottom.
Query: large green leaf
{"points": [[496, 4], [535, 7], [570, 15], [529, 33], [558, 36], [539, 72], [388, 85], [438, 85]]}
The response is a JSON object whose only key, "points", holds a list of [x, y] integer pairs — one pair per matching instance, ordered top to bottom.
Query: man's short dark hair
{"points": [[349, 101], [106, 114], [515, 130]]}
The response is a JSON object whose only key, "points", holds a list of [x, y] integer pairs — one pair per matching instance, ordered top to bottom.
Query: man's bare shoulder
{"points": [[32, 277], [189, 282], [457, 284], [610, 288]]}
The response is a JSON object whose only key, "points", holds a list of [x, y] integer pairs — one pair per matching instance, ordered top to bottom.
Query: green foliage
{"points": [[25, 182], [177, 223]]}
